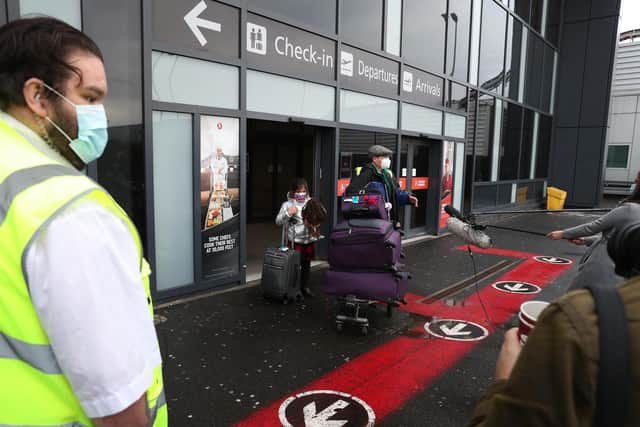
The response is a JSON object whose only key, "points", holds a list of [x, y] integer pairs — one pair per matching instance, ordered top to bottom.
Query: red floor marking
{"points": [[388, 376]]}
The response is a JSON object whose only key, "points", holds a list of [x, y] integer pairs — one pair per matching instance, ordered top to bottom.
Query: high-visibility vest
{"points": [[33, 190]]}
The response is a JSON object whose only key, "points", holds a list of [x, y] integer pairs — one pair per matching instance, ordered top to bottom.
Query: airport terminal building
{"points": [[214, 106]]}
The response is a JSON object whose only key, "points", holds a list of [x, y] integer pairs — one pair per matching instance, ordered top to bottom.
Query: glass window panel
{"points": [[522, 8], [68, 11], [3, 13], [320, 14], [536, 14], [553, 20], [362, 22], [393, 26], [424, 29], [458, 38], [492, 43], [121, 45], [475, 48], [513, 57], [535, 64], [174, 76], [547, 78], [457, 97], [296, 98], [368, 110], [421, 119], [455, 125], [485, 137], [510, 141], [543, 147], [354, 148], [526, 148], [468, 151], [617, 156], [173, 194], [504, 194], [484, 196]]}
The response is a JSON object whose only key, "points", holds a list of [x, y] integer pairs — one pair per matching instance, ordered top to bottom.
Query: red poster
{"points": [[420, 183], [342, 185], [446, 192]]}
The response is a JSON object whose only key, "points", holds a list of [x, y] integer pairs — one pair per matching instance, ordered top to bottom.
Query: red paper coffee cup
{"points": [[528, 316]]}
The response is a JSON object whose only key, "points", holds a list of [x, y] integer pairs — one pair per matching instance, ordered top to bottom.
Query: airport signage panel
{"points": [[206, 26], [286, 50], [365, 71], [422, 88]]}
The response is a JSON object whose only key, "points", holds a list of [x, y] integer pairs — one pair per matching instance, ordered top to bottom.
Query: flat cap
{"points": [[379, 150]]}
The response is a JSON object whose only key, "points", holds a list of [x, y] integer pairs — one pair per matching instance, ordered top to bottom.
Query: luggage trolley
{"points": [[364, 257]]}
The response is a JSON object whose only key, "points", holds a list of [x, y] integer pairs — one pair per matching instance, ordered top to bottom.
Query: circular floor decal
{"points": [[552, 260], [515, 287], [457, 330], [325, 408]]}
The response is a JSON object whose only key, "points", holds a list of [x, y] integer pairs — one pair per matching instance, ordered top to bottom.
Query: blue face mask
{"points": [[92, 130]]}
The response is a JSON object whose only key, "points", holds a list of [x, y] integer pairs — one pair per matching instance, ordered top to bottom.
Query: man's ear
{"points": [[33, 93]]}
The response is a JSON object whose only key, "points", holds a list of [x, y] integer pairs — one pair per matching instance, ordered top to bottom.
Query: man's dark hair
{"points": [[38, 47]]}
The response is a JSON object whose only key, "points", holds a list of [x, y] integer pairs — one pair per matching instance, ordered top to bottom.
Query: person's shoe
{"points": [[307, 293]]}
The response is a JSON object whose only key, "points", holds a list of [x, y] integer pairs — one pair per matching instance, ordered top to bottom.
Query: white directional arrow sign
{"points": [[194, 22], [552, 260], [515, 287], [456, 331], [340, 409], [321, 419]]}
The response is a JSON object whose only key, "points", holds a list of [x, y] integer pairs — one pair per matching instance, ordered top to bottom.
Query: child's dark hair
{"points": [[297, 183]]}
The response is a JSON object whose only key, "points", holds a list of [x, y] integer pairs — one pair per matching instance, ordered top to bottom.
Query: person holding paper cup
{"points": [[553, 379]]}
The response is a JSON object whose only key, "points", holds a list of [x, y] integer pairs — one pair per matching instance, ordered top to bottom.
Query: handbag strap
{"points": [[612, 391]]}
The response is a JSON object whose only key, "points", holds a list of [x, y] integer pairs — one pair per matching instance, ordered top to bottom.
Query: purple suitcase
{"points": [[368, 203], [364, 244], [387, 286]]}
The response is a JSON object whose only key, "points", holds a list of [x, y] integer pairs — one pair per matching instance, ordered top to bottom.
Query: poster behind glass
{"points": [[446, 188], [220, 196]]}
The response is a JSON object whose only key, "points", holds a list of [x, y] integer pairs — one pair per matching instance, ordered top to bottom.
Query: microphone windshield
{"points": [[468, 234]]}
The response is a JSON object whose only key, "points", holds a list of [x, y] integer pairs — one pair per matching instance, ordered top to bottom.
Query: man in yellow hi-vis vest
{"points": [[77, 341]]}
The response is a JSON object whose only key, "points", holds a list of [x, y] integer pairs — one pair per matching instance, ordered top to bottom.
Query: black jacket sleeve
{"points": [[358, 182]]}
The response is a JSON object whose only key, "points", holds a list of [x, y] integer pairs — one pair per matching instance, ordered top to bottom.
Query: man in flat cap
{"points": [[378, 171]]}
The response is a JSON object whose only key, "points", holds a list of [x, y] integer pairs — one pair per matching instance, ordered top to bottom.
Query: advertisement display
{"points": [[446, 190], [220, 196]]}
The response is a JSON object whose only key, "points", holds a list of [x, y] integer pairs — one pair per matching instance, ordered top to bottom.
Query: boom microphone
{"points": [[454, 212], [466, 232]]}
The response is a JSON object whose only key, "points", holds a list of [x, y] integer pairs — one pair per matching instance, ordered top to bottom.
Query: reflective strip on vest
{"points": [[22, 179], [38, 356], [153, 412]]}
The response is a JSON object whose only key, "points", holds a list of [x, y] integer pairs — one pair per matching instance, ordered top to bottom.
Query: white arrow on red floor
{"points": [[516, 287], [456, 330], [321, 419]]}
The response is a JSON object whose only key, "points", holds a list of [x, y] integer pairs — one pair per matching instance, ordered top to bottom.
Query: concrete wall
{"points": [[587, 48]]}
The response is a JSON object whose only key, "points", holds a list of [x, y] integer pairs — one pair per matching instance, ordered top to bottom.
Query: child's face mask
{"points": [[300, 196]]}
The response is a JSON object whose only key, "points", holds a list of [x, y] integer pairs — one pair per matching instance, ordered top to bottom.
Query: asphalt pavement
{"points": [[236, 358]]}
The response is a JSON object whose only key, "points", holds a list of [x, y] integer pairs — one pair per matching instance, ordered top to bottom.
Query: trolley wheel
{"points": [[339, 326], [364, 330]]}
